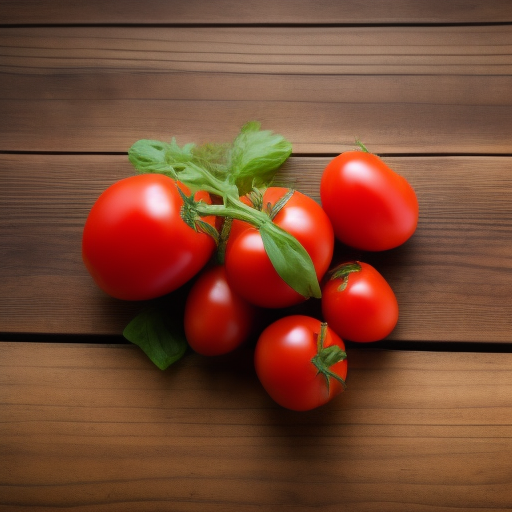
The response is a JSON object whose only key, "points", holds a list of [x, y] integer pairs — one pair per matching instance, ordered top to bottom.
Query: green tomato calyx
{"points": [[189, 215], [343, 272], [327, 357]]}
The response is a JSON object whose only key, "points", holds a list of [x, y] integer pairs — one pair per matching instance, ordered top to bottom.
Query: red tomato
{"points": [[371, 207], [135, 244], [250, 270], [359, 305], [217, 320], [300, 362]]}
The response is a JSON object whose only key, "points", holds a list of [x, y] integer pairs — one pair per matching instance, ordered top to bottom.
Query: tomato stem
{"points": [[362, 146], [233, 209], [223, 240], [288, 257], [327, 357]]}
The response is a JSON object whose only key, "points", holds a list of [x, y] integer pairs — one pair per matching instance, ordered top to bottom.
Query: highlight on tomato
{"points": [[371, 207], [135, 244], [248, 266], [358, 303], [217, 320], [301, 362]]}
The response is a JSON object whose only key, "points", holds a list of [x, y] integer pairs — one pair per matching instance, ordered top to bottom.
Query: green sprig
{"points": [[230, 171]]}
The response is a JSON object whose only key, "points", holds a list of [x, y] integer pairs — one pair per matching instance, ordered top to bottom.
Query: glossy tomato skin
{"points": [[371, 207], [135, 244], [250, 270], [364, 309], [217, 320], [282, 359]]}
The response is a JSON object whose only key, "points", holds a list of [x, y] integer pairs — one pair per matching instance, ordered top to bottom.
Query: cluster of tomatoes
{"points": [[137, 247]]}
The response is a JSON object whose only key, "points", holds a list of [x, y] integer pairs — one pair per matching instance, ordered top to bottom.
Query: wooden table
{"points": [[88, 423]]}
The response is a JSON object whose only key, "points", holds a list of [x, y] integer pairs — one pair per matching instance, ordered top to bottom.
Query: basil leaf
{"points": [[175, 154], [149, 156], [256, 156], [159, 157], [213, 157], [188, 164], [234, 169], [196, 178], [290, 259], [162, 340]]}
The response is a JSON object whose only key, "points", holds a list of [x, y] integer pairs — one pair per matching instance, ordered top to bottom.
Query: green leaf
{"points": [[175, 154], [150, 156], [256, 156], [213, 157], [195, 167], [223, 169], [196, 178], [291, 260], [158, 336]]}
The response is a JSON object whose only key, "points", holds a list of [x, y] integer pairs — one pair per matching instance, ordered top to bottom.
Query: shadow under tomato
{"points": [[323, 436]]}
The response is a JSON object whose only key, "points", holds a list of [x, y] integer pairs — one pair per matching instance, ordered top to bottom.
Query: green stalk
{"points": [[235, 210], [289, 258]]}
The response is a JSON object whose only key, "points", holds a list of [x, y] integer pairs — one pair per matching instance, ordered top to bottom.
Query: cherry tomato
{"points": [[370, 206], [135, 244], [250, 270], [358, 303], [217, 320], [300, 362]]}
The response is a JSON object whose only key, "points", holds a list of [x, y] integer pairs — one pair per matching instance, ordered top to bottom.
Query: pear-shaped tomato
{"points": [[370, 206], [217, 320]]}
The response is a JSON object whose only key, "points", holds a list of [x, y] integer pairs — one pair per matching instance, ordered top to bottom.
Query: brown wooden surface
{"points": [[254, 11], [400, 89], [426, 422], [97, 428]]}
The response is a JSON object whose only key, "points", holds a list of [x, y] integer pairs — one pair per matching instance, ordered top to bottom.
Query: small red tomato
{"points": [[371, 207], [135, 244], [248, 266], [358, 303], [217, 320], [300, 362]]}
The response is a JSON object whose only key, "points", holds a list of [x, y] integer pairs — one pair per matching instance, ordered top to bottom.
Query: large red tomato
{"points": [[371, 207], [135, 244], [250, 270], [358, 303], [217, 320], [300, 362]]}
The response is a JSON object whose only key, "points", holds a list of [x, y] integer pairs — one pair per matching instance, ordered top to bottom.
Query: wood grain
{"points": [[252, 11], [400, 89], [453, 279], [91, 427], [94, 427]]}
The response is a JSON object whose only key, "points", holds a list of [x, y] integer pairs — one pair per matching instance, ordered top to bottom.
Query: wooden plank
{"points": [[252, 11], [270, 50], [400, 89], [453, 279], [94, 427]]}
